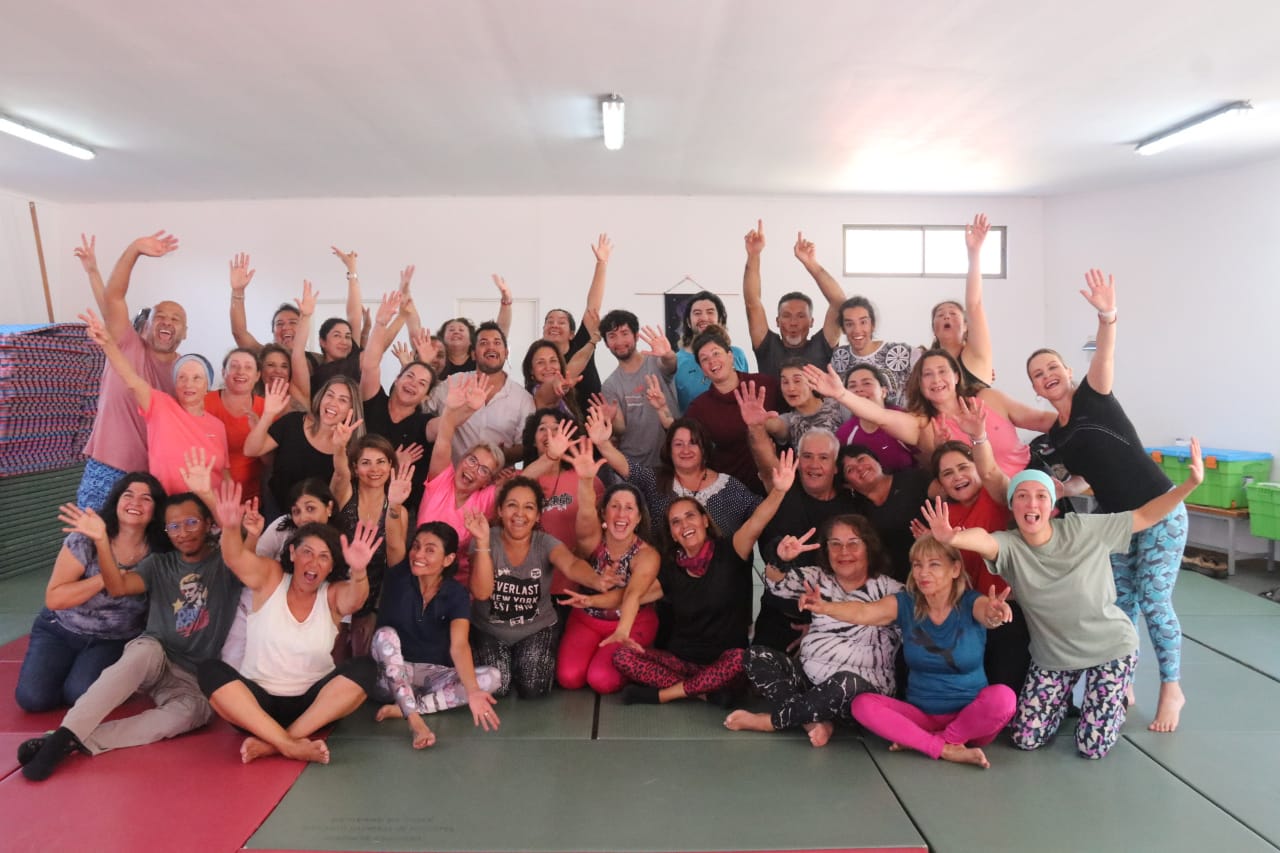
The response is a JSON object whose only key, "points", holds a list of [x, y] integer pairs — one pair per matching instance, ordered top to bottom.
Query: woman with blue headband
{"points": [[1094, 439], [1060, 570]]}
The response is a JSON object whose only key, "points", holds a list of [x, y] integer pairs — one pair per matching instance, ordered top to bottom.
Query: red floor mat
{"points": [[14, 650], [14, 719], [9, 751], [190, 793]]}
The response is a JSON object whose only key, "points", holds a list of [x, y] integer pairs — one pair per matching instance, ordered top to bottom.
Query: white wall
{"points": [[541, 245], [1197, 266], [21, 293]]}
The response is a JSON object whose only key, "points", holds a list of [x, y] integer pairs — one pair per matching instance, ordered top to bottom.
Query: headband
{"points": [[1030, 474]]}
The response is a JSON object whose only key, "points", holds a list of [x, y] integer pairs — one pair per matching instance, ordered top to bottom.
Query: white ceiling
{"points": [[318, 98]]}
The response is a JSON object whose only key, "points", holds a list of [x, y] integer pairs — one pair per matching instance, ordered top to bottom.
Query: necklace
{"points": [[697, 486]]}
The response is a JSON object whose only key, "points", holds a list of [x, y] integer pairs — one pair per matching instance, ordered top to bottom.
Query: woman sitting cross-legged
{"points": [[618, 544], [1060, 569], [706, 579], [511, 586], [422, 644], [837, 660], [287, 686], [951, 711]]}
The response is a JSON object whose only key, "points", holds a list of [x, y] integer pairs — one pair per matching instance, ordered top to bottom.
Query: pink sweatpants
{"points": [[581, 660], [976, 724]]}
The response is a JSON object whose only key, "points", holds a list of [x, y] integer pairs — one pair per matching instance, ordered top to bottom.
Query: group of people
{"points": [[281, 549]]}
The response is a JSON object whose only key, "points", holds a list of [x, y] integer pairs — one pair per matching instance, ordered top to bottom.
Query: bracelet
{"points": [[352, 275], [237, 297], [505, 301], [1107, 317], [982, 439], [478, 550]]}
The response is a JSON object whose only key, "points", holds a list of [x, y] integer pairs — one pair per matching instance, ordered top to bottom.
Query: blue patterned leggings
{"points": [[1145, 576], [1047, 694]]}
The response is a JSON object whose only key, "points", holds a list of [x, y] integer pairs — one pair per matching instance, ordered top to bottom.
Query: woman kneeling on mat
{"points": [[1061, 572], [706, 580], [423, 642], [837, 660], [288, 678], [951, 711]]}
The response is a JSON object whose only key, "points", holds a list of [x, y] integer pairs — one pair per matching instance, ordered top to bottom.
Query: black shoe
{"points": [[638, 694], [56, 746], [28, 748]]}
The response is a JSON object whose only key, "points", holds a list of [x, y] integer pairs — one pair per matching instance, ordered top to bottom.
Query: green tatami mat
{"points": [[24, 593], [1197, 595], [14, 625], [1252, 640], [1222, 695], [565, 714], [684, 720], [1235, 770], [533, 795], [1053, 801]]}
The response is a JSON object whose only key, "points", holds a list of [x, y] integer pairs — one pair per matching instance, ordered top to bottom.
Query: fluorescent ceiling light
{"points": [[613, 118], [1196, 127], [21, 131]]}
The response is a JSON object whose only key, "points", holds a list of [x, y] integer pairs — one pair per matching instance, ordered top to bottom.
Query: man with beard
{"points": [[795, 311], [627, 387], [501, 420], [118, 443]]}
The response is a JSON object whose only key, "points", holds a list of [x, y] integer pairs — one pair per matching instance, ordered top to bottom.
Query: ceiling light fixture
{"points": [[613, 118], [1193, 128], [39, 137]]}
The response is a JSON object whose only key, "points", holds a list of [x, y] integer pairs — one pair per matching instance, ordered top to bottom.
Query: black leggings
{"points": [[1008, 654], [529, 663], [214, 674], [795, 699]]}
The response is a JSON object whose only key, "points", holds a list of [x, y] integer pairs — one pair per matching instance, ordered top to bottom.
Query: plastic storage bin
{"points": [[1225, 473], [1264, 509]]}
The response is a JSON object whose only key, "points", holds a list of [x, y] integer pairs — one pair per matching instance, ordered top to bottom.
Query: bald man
{"points": [[118, 443]]}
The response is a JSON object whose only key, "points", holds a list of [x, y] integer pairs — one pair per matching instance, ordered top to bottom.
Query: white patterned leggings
{"points": [[420, 688]]}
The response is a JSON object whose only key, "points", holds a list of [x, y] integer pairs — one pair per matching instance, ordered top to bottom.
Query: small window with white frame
{"points": [[919, 251]]}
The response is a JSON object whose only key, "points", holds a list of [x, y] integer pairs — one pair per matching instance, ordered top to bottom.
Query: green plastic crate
{"points": [[1225, 473], [1264, 509]]}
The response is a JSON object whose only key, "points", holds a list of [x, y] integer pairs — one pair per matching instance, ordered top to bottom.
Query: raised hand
{"points": [[975, 233], [755, 239], [156, 245], [603, 248], [87, 253], [806, 253], [348, 258], [241, 275], [406, 278], [1100, 291], [504, 292], [307, 304], [389, 308], [94, 329], [656, 341], [425, 347], [402, 352], [825, 382], [476, 391], [653, 393], [276, 399], [751, 403], [608, 408], [972, 417], [599, 427], [343, 430], [561, 438], [409, 454], [580, 457], [197, 470], [1196, 472], [784, 476], [401, 485], [228, 509], [939, 519], [86, 522], [253, 522], [478, 526], [918, 530], [793, 546], [359, 550], [812, 600], [998, 610], [482, 714]]}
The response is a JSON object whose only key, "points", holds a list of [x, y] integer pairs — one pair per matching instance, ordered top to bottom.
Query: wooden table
{"points": [[1232, 516]]}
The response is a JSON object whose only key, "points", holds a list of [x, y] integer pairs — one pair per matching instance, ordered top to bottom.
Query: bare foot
{"points": [[1169, 708], [388, 712], [745, 721], [820, 733], [423, 737], [896, 747], [254, 748], [315, 751], [961, 754]]}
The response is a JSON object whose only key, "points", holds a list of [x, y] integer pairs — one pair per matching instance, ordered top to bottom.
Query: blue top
{"points": [[690, 381], [424, 631], [944, 661]]}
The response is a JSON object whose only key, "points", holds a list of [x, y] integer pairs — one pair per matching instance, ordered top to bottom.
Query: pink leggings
{"points": [[582, 660], [976, 724]]}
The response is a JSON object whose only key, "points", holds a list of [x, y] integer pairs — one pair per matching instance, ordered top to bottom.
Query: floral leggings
{"points": [[1145, 576], [657, 668], [420, 688], [1047, 693]]}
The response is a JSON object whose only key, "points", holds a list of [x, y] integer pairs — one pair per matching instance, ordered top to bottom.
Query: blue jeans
{"points": [[60, 665]]}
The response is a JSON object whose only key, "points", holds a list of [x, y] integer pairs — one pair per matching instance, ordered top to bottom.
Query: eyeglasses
{"points": [[473, 462], [185, 524], [849, 545]]}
